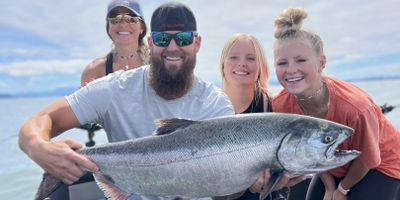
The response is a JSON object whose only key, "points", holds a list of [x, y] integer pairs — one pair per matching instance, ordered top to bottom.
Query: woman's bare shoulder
{"points": [[94, 70]]}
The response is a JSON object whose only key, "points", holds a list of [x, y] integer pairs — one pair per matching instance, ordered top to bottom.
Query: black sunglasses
{"points": [[162, 39]]}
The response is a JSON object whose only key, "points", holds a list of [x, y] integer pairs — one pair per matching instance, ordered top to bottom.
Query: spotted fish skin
{"points": [[219, 156]]}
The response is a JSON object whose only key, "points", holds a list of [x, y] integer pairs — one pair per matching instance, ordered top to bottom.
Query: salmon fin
{"points": [[167, 126], [276, 175], [48, 185], [107, 185]]}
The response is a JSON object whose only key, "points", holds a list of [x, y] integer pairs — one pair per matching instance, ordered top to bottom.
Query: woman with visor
{"points": [[126, 28]]}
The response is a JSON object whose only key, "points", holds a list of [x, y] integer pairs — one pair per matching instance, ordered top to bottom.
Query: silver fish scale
{"points": [[196, 141], [219, 156], [166, 164]]}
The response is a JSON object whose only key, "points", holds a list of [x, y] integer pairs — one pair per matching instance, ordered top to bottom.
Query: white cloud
{"points": [[73, 25], [351, 30], [43, 67]]}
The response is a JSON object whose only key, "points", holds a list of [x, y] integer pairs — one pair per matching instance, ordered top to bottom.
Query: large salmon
{"points": [[215, 157]]}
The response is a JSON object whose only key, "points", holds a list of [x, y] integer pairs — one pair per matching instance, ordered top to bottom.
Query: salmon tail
{"points": [[48, 185], [107, 185]]}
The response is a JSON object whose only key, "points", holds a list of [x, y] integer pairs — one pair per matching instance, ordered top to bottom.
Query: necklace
{"points": [[124, 57], [127, 60], [312, 95], [322, 109]]}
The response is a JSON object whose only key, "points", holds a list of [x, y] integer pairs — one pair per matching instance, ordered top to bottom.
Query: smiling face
{"points": [[124, 32], [175, 58], [240, 65], [172, 67], [298, 67]]}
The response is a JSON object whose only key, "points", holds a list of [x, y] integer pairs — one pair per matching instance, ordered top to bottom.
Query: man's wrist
{"points": [[342, 190]]}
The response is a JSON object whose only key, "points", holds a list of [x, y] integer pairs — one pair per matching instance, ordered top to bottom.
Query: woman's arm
{"points": [[93, 70], [356, 173], [329, 184]]}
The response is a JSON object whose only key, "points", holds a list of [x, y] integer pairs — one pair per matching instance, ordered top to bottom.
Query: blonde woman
{"points": [[299, 62], [245, 73]]}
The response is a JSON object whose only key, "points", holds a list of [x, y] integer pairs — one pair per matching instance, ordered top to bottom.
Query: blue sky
{"points": [[45, 45]]}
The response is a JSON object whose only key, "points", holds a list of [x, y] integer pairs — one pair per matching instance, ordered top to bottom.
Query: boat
{"points": [[84, 189]]}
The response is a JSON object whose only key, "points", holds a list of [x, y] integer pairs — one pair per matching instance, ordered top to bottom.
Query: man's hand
{"points": [[59, 159], [286, 181]]}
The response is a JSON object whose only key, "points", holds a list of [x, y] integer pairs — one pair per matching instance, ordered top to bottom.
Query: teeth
{"points": [[124, 33], [173, 58], [240, 72], [294, 79], [342, 152]]}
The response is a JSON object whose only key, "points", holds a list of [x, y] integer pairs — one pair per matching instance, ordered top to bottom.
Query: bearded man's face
{"points": [[172, 67]]}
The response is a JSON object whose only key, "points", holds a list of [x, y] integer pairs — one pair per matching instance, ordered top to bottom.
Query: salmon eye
{"points": [[328, 139]]}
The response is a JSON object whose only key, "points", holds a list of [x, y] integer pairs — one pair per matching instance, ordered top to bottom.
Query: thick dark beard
{"points": [[171, 85]]}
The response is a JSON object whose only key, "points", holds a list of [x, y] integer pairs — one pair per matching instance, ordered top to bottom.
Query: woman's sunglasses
{"points": [[124, 17], [162, 39]]}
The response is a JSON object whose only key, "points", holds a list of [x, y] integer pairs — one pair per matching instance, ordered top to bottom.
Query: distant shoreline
{"points": [[373, 79], [58, 92]]}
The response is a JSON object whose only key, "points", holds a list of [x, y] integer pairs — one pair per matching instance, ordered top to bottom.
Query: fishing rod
{"points": [[388, 108], [90, 128]]}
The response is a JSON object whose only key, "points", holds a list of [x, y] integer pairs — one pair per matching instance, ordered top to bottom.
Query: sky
{"points": [[45, 44]]}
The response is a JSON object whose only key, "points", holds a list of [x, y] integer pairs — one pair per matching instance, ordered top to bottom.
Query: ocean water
{"points": [[20, 177]]}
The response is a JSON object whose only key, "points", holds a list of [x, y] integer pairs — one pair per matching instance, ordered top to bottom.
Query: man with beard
{"points": [[126, 103]]}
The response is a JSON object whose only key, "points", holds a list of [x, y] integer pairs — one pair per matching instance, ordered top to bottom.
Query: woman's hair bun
{"points": [[289, 21]]}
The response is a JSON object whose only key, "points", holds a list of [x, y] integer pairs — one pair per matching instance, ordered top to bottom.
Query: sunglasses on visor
{"points": [[123, 18], [162, 39]]}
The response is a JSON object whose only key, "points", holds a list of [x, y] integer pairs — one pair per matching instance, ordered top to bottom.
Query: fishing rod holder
{"points": [[91, 128]]}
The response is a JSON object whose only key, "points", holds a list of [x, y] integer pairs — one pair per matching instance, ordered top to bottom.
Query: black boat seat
{"points": [[84, 189]]}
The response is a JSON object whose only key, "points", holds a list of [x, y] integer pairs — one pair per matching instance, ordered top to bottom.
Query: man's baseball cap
{"points": [[173, 16]]}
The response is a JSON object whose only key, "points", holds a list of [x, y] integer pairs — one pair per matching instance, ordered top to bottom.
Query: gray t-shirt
{"points": [[126, 105]]}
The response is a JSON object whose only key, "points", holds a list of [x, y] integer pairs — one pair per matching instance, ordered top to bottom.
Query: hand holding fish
{"points": [[60, 159], [286, 181], [328, 194], [338, 195]]}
